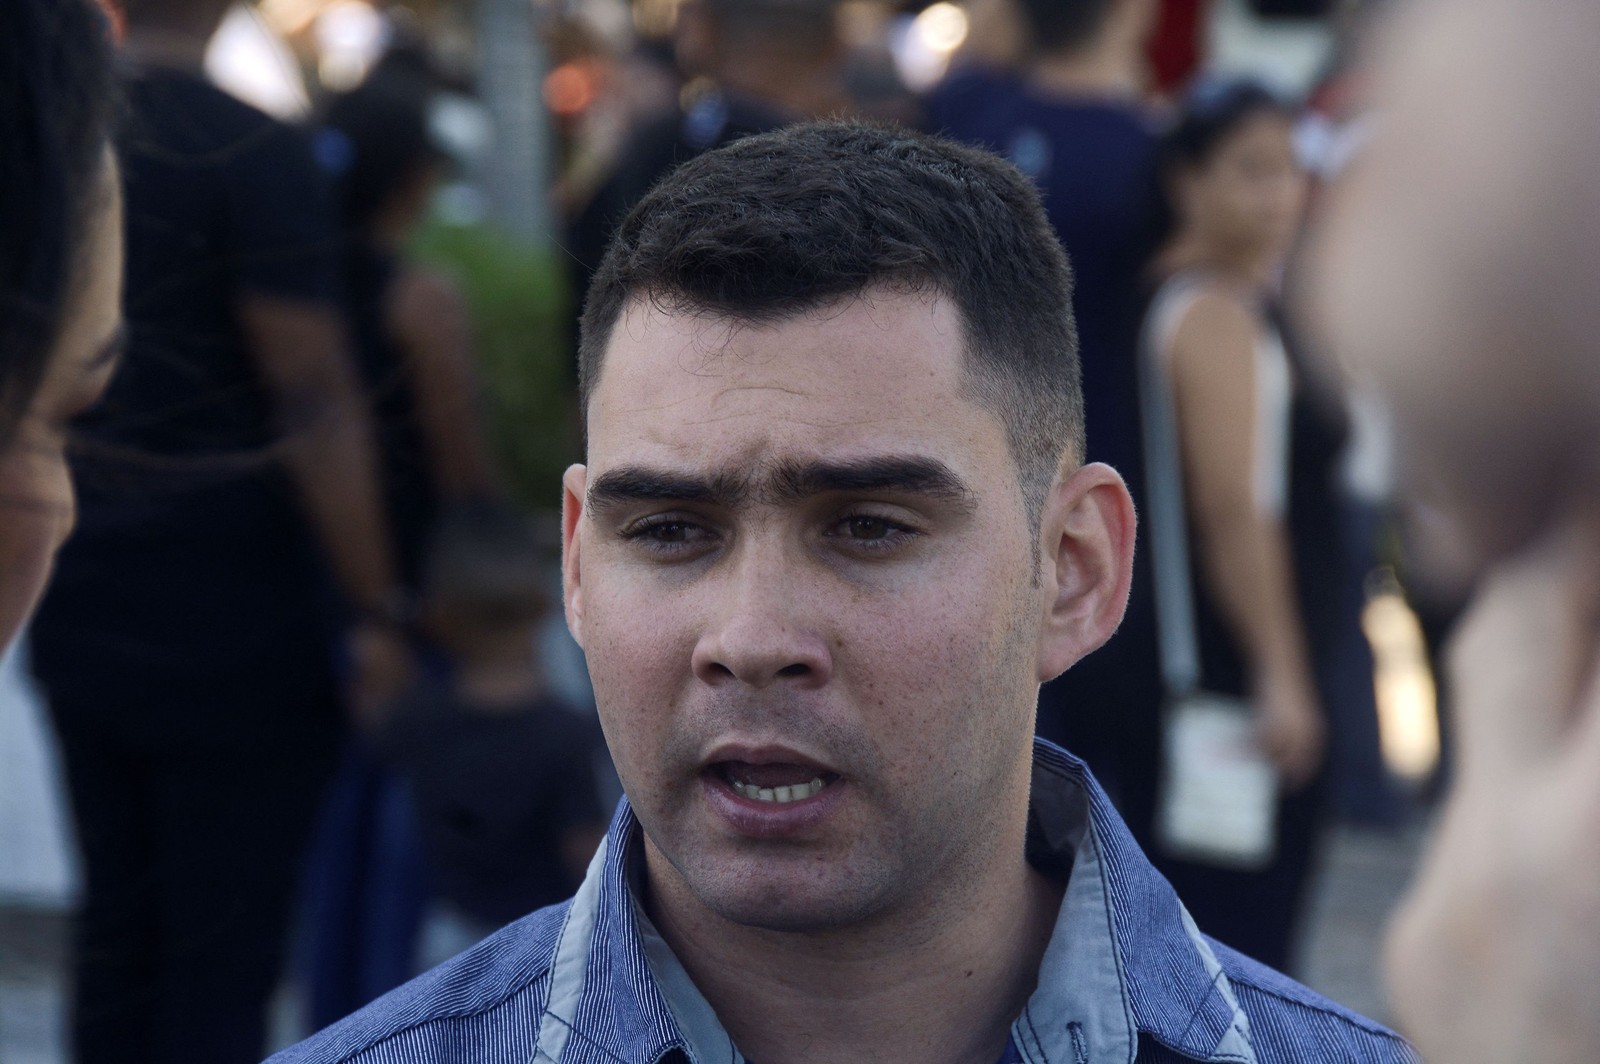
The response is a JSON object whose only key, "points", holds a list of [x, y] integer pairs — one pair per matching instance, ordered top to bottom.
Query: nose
{"points": [[763, 633]]}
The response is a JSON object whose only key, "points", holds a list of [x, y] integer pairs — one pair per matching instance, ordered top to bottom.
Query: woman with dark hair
{"points": [[60, 273], [1242, 552]]}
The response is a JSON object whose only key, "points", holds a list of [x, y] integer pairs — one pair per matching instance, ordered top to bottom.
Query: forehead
{"points": [[1260, 132], [880, 371]]}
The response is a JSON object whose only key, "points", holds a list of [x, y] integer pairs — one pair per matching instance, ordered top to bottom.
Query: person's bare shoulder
{"points": [[1218, 330]]}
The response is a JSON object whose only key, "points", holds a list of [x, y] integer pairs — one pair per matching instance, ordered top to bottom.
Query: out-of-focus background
{"points": [[543, 121]]}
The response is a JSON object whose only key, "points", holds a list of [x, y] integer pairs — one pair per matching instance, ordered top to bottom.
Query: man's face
{"points": [[801, 574]]}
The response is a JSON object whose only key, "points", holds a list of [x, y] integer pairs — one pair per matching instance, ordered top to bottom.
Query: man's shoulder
{"points": [[489, 995], [1291, 1023]]}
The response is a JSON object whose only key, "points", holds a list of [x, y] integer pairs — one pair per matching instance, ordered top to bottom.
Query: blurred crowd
{"points": [[306, 621]]}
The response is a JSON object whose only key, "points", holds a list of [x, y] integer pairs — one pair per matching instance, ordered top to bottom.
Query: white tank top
{"points": [[1274, 386]]}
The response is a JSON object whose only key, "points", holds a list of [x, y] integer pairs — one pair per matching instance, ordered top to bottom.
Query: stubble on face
{"points": [[911, 670]]}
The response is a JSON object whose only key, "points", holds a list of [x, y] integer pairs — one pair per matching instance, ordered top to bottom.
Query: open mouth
{"points": [[777, 784]]}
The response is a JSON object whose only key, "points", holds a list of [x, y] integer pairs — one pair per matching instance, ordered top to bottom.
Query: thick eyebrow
{"points": [[900, 475], [786, 482], [641, 484]]}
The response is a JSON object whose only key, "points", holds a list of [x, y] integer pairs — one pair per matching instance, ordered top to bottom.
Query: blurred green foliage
{"points": [[522, 325]]}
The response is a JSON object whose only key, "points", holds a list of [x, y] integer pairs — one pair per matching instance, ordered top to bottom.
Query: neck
{"points": [[173, 48], [1111, 64], [1105, 69], [793, 85], [388, 231], [1254, 267], [940, 987]]}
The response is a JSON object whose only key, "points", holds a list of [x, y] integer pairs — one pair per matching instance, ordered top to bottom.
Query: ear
{"points": [[573, 484], [1086, 538]]}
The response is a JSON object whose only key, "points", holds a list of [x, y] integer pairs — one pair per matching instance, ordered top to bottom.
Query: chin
{"points": [[771, 903]]}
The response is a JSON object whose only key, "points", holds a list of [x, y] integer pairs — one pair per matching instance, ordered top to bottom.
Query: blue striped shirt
{"points": [[1126, 977]]}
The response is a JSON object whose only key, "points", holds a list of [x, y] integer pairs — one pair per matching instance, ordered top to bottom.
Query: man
{"points": [[1474, 314], [832, 534]]}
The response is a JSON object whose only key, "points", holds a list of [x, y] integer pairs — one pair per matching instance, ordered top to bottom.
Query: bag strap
{"points": [[1164, 503]]}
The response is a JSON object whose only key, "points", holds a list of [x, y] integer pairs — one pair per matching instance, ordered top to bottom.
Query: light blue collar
{"points": [[1096, 980]]}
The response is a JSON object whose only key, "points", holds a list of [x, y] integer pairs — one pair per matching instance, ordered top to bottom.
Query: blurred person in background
{"points": [[754, 65], [608, 82], [1073, 120], [1456, 269], [60, 274], [411, 325], [1257, 452], [230, 528], [503, 773], [366, 891]]}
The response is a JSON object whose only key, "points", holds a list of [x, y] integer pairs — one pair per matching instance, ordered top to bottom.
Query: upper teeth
{"points": [[778, 794]]}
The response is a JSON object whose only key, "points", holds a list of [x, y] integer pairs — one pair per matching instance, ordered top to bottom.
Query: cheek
{"points": [[1253, 205], [1230, 211], [36, 514], [639, 643], [936, 663]]}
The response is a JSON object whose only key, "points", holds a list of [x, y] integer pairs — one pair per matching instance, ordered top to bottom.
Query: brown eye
{"points": [[869, 528], [670, 532], [867, 534], [666, 536]]}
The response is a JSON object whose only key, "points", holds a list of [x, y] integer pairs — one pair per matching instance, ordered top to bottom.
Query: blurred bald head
{"points": [[1457, 268]]}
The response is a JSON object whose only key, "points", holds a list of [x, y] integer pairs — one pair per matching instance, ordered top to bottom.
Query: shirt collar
{"points": [[1124, 959]]}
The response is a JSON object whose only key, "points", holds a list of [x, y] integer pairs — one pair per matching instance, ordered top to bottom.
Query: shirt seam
{"points": [[442, 1017], [1352, 1019], [574, 1029]]}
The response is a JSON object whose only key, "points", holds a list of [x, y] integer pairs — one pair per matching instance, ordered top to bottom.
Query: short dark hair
{"points": [[1065, 25], [56, 84], [776, 224]]}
